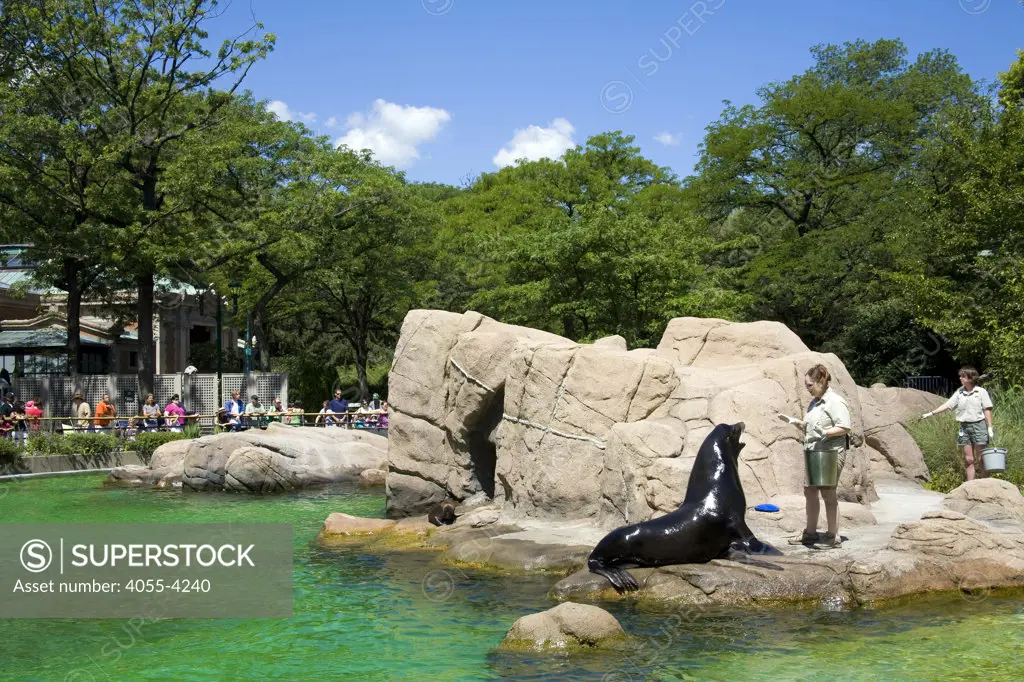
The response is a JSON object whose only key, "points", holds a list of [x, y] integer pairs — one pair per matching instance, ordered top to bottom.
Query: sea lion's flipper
{"points": [[748, 543], [751, 545], [620, 578]]}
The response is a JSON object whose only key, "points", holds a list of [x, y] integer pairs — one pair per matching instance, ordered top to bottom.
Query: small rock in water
{"points": [[372, 477], [346, 524], [568, 625]]}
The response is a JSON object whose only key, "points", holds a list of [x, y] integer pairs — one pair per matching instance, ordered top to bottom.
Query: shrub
{"points": [[146, 443], [73, 444], [9, 452], [945, 460]]}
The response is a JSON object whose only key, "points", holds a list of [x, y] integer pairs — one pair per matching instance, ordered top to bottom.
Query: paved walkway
{"points": [[899, 501]]}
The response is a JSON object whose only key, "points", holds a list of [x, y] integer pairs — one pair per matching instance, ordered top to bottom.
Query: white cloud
{"points": [[281, 110], [331, 122], [393, 131], [669, 139], [537, 143]]}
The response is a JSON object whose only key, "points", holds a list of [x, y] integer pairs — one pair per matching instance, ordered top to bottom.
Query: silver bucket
{"points": [[994, 459], [822, 468]]}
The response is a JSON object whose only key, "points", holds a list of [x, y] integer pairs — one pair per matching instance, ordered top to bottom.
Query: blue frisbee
{"points": [[766, 507]]}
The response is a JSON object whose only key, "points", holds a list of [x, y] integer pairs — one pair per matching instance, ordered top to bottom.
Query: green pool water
{"points": [[403, 616]]}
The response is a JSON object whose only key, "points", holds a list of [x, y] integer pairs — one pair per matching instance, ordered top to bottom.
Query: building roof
{"points": [[14, 271], [13, 278], [51, 337]]}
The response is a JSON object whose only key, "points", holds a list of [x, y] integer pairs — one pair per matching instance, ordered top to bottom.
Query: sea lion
{"points": [[442, 514], [709, 524]]}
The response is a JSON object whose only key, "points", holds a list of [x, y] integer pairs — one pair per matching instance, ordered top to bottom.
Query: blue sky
{"points": [[444, 88]]}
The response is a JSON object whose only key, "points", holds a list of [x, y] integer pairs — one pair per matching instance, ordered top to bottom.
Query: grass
{"points": [[937, 439]]}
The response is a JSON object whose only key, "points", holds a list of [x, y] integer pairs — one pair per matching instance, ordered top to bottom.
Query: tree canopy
{"points": [[872, 203]]}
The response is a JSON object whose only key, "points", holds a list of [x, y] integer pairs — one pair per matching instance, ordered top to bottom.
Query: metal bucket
{"points": [[995, 459], [822, 467]]}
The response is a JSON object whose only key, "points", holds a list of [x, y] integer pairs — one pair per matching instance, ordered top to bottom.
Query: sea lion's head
{"points": [[732, 437]]}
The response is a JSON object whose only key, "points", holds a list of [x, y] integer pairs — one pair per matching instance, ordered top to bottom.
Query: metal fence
{"points": [[939, 385], [198, 391], [128, 429]]}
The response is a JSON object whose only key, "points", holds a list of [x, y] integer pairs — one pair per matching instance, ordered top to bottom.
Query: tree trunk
{"points": [[74, 316], [569, 327], [262, 352], [361, 359], [147, 364]]}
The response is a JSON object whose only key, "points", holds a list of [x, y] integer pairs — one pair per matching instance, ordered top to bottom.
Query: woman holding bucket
{"points": [[973, 407], [826, 426]]}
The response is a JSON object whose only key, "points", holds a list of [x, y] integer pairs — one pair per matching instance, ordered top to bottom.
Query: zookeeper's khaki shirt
{"points": [[969, 406], [826, 412]]}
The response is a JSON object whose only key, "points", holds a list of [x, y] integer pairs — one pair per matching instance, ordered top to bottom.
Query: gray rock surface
{"points": [[551, 430], [892, 451], [262, 461], [167, 463], [370, 478], [988, 499], [908, 551], [567, 625]]}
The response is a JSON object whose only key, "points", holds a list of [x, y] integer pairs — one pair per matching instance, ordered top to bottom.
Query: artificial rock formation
{"points": [[549, 429], [276, 459], [165, 467], [987, 499], [942, 550], [567, 625]]}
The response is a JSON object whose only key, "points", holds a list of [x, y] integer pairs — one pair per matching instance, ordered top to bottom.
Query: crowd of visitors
{"points": [[338, 412], [18, 419]]}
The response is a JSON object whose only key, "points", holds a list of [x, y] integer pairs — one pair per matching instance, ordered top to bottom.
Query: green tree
{"points": [[138, 63], [817, 183], [600, 242], [964, 268]]}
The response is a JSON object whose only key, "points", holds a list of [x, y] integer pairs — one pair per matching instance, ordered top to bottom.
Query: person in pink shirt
{"points": [[173, 409], [33, 411]]}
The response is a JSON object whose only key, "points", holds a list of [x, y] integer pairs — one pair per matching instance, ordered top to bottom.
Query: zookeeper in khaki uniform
{"points": [[973, 407], [826, 427]]}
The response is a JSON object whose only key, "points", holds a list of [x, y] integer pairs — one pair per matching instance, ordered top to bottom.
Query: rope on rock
{"points": [[470, 377], [547, 429]]}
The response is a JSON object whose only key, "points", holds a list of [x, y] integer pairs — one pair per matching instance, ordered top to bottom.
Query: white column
{"points": [[184, 322], [158, 333]]}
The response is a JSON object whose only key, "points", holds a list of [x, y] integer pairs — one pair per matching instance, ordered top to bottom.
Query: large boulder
{"points": [[886, 410], [552, 430], [281, 458], [276, 459], [166, 464], [988, 499], [567, 625]]}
